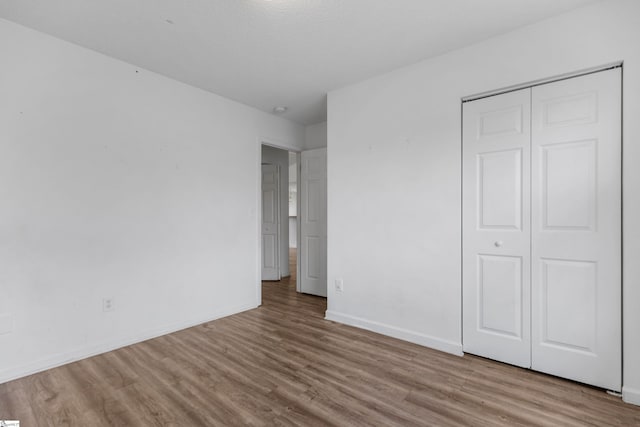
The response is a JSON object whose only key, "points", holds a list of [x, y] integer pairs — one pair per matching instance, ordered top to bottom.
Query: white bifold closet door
{"points": [[496, 227], [542, 228], [576, 243]]}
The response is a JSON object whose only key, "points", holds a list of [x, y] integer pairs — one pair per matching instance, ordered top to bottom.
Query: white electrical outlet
{"points": [[339, 285], [107, 304]]}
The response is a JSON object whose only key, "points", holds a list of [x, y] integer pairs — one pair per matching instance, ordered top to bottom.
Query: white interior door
{"points": [[270, 222], [313, 222], [576, 229], [496, 230]]}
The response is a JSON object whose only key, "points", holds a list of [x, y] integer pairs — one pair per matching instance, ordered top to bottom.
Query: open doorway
{"points": [[293, 219], [279, 228]]}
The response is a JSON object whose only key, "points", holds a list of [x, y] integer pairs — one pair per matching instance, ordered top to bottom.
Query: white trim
{"points": [[542, 81], [276, 143], [258, 215], [298, 219], [278, 220], [395, 332], [107, 346], [631, 395]]}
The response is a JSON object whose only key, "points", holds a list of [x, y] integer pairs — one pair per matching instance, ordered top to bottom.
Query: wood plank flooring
{"points": [[283, 364]]}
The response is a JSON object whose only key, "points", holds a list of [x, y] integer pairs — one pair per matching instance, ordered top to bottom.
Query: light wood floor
{"points": [[282, 364]]}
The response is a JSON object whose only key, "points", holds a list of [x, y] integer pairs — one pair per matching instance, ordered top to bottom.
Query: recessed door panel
{"points": [[578, 109], [500, 122], [268, 176], [569, 185], [500, 189], [314, 200], [269, 206], [269, 250], [314, 250], [500, 289], [569, 326]]}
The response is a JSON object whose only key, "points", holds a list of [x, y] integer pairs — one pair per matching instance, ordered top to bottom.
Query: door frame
{"points": [[531, 84], [257, 211], [298, 222]]}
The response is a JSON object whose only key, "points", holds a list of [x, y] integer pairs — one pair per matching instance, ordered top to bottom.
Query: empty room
{"points": [[319, 212]]}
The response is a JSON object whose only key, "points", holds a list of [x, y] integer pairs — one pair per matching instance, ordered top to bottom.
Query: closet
{"points": [[542, 228]]}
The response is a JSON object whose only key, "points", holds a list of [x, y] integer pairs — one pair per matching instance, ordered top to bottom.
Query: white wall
{"points": [[316, 136], [276, 156], [394, 164], [117, 182]]}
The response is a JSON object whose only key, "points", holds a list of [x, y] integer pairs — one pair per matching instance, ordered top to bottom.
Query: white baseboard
{"points": [[395, 332], [60, 359], [631, 395]]}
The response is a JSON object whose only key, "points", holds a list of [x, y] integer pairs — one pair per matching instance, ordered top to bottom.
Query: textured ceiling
{"points": [[278, 52]]}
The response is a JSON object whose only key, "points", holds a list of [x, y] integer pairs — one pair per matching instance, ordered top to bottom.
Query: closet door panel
{"points": [[496, 205], [576, 229]]}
